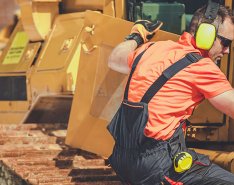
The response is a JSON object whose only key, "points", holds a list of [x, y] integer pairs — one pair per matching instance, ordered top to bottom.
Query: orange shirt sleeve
{"points": [[209, 79]]}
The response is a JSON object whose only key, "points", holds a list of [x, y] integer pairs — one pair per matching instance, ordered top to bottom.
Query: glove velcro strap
{"points": [[137, 37]]}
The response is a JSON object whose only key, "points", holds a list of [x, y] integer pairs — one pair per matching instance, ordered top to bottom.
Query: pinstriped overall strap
{"points": [[169, 73]]}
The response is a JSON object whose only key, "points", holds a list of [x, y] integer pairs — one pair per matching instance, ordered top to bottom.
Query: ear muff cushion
{"points": [[205, 36]]}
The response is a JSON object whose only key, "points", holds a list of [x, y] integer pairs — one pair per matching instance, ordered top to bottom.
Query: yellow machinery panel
{"points": [[120, 9], [15, 63], [56, 68], [52, 73], [39, 74]]}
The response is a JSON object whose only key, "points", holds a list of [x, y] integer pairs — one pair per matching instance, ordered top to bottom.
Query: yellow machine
{"points": [[17, 60], [43, 65], [39, 66], [54, 70]]}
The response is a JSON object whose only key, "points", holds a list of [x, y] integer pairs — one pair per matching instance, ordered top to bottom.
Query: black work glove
{"points": [[143, 30]]}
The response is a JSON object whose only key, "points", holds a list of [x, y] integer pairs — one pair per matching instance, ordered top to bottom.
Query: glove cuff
{"points": [[137, 37]]}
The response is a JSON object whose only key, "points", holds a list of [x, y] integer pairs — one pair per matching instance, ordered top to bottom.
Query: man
{"points": [[171, 105]]}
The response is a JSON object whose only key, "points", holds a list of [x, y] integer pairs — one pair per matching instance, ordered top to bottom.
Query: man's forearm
{"points": [[141, 32], [118, 59], [224, 102]]}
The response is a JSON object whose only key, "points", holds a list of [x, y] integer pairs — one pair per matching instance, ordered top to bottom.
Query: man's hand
{"points": [[146, 29], [143, 31]]}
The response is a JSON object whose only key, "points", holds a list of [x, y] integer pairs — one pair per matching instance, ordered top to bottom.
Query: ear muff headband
{"points": [[206, 32]]}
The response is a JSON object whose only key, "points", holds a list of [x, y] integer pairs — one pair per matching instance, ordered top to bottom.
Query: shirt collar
{"points": [[187, 39]]}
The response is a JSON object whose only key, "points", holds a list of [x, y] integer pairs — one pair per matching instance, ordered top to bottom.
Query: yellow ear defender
{"points": [[206, 32], [205, 36], [182, 162]]}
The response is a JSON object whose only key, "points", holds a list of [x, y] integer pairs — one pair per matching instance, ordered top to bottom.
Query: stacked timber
{"points": [[36, 154]]}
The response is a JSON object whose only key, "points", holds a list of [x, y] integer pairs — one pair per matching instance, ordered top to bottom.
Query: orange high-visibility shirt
{"points": [[176, 100]]}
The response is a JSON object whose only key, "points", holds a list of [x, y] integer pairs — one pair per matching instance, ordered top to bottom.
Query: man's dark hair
{"points": [[198, 17]]}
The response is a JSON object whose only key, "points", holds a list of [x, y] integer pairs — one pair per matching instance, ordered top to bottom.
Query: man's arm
{"points": [[141, 32], [118, 59], [224, 102]]}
